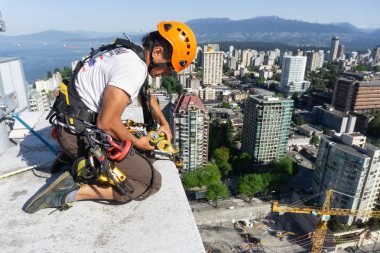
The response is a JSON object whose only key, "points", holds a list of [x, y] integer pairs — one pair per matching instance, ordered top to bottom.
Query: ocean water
{"points": [[40, 57]]}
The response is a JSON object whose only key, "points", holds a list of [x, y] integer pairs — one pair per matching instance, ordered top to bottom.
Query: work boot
{"points": [[62, 160], [53, 195]]}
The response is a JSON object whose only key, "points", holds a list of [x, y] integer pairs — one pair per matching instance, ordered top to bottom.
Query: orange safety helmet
{"points": [[183, 41]]}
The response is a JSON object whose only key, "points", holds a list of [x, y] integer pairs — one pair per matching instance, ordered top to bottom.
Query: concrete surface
{"points": [[161, 223]]}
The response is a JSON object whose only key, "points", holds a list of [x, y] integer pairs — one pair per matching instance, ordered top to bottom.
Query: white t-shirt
{"points": [[120, 67]]}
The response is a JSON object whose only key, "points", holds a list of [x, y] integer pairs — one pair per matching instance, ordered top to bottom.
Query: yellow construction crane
{"points": [[325, 213]]}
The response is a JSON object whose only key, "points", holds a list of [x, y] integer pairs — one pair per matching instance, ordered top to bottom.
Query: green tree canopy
{"points": [[360, 67], [376, 68], [246, 78], [169, 83], [226, 105], [374, 127], [221, 134], [315, 140], [221, 157], [243, 163], [284, 165], [209, 175], [190, 179], [249, 185], [216, 191]]}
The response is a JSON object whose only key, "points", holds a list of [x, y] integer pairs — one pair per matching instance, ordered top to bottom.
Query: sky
{"points": [[30, 16]]}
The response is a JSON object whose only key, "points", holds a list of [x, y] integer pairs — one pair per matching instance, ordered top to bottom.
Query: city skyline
{"points": [[37, 16]]}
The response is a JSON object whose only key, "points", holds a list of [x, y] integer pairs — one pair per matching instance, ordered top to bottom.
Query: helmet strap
{"points": [[152, 64]]}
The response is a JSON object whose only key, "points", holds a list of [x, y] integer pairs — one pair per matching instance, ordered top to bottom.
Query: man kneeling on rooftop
{"points": [[105, 158]]}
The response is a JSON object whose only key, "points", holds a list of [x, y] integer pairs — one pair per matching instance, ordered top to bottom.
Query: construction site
{"points": [[291, 227], [273, 234]]}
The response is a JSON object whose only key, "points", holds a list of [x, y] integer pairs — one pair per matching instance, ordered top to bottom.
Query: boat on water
{"points": [[70, 46]]}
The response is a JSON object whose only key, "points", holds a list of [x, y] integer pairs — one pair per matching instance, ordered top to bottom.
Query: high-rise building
{"points": [[2, 24], [334, 49], [231, 50], [247, 55], [340, 55], [376, 55], [320, 59], [314, 60], [311, 61], [212, 65], [292, 75], [12, 80], [155, 82], [49, 84], [357, 96], [38, 101], [335, 120], [190, 127], [266, 128], [351, 167]]}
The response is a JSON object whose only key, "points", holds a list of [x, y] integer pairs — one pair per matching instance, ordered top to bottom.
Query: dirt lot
{"points": [[273, 234]]}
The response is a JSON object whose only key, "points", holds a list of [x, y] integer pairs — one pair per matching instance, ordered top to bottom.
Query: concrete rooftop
{"points": [[161, 223]]}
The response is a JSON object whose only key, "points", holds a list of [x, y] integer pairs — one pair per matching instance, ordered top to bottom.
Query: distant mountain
{"points": [[263, 29], [275, 29], [54, 36]]}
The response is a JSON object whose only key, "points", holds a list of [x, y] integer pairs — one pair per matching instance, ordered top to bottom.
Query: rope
{"points": [[13, 173], [307, 198]]}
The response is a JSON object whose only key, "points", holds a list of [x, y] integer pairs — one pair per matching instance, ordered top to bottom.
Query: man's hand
{"points": [[166, 130], [143, 144]]}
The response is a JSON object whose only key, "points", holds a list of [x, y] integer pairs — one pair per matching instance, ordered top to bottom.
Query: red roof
{"points": [[188, 100]]}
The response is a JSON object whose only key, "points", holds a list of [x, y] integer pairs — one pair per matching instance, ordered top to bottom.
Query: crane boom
{"points": [[276, 207], [324, 212]]}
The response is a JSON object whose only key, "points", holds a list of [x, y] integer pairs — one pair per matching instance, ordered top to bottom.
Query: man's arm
{"points": [[114, 103], [164, 125]]}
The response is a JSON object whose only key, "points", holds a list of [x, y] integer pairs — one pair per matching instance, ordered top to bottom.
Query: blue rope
{"points": [[51, 148]]}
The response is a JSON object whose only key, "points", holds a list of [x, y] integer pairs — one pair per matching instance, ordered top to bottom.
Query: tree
{"points": [[360, 67], [251, 68], [376, 68], [66, 73], [49, 74], [246, 78], [261, 80], [169, 83], [179, 89], [279, 95], [295, 97], [226, 105], [300, 121], [374, 127], [221, 134], [315, 140], [221, 157], [242, 164], [284, 165], [209, 175], [190, 180], [249, 185], [216, 191]]}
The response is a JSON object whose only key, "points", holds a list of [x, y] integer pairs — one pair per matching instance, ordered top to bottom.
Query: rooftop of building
{"points": [[6, 59], [363, 79], [268, 99], [187, 101], [221, 110], [331, 110], [309, 127], [356, 151], [161, 223]]}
